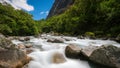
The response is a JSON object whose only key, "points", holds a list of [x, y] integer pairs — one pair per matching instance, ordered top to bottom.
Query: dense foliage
{"points": [[97, 16], [16, 22]]}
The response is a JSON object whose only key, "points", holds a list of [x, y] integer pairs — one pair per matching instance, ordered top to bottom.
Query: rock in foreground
{"points": [[72, 51], [87, 51], [103, 55], [107, 55], [10, 56], [58, 58]]}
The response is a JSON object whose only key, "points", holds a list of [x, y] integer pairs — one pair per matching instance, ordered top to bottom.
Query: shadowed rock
{"points": [[59, 40], [72, 51], [87, 51], [107, 55], [10, 56]]}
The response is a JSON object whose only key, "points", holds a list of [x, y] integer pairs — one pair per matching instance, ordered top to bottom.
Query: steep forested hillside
{"points": [[97, 16], [16, 22]]}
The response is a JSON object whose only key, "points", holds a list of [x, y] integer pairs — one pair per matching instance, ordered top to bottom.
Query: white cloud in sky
{"points": [[19, 4], [44, 12], [47, 12]]}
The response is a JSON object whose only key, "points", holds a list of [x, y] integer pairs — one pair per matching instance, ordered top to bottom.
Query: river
{"points": [[43, 51]]}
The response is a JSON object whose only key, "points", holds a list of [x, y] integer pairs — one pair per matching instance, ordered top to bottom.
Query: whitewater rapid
{"points": [[44, 51]]}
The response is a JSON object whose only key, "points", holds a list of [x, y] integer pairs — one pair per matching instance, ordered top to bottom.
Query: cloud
{"points": [[20, 4], [44, 12], [47, 12]]}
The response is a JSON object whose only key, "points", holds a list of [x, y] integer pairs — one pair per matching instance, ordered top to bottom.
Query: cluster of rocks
{"points": [[19, 38], [117, 39], [56, 40], [27, 48], [10, 55], [103, 55]]}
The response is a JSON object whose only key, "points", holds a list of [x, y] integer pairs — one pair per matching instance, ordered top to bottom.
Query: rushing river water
{"points": [[44, 51]]}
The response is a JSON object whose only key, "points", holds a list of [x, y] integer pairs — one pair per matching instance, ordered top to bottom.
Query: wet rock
{"points": [[2, 36], [81, 37], [27, 38], [21, 39], [24, 39], [67, 39], [117, 39], [60, 40], [6, 44], [28, 45], [21, 46], [26, 48], [29, 50], [72, 51], [87, 51], [104, 55], [107, 55], [10, 56], [13, 58], [58, 58], [26, 66]]}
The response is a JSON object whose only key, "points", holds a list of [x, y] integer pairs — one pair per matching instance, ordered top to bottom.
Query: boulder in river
{"points": [[23, 38], [58, 40], [28, 45], [21, 46], [88, 50], [72, 51], [106, 55], [10, 56], [58, 58]]}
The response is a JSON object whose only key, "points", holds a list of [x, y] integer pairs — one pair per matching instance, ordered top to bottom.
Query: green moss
{"points": [[89, 34]]}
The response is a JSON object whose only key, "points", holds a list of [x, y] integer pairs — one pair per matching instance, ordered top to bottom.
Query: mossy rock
{"points": [[90, 34]]}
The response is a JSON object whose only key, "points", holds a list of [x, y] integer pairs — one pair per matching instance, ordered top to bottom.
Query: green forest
{"points": [[99, 17], [16, 22]]}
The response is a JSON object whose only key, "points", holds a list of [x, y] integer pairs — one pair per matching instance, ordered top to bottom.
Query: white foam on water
{"points": [[42, 58]]}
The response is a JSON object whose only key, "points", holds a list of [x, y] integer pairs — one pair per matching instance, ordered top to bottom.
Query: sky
{"points": [[38, 8], [41, 8]]}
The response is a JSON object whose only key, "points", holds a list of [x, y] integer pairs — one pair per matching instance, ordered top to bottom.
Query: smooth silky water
{"points": [[44, 51]]}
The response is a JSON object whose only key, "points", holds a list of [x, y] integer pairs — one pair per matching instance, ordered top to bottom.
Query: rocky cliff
{"points": [[59, 7]]}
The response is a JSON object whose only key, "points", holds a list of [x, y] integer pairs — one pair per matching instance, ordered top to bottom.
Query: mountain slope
{"points": [[59, 7], [100, 17]]}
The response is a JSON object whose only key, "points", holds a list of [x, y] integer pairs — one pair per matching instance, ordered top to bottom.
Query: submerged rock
{"points": [[72, 51], [58, 58]]}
